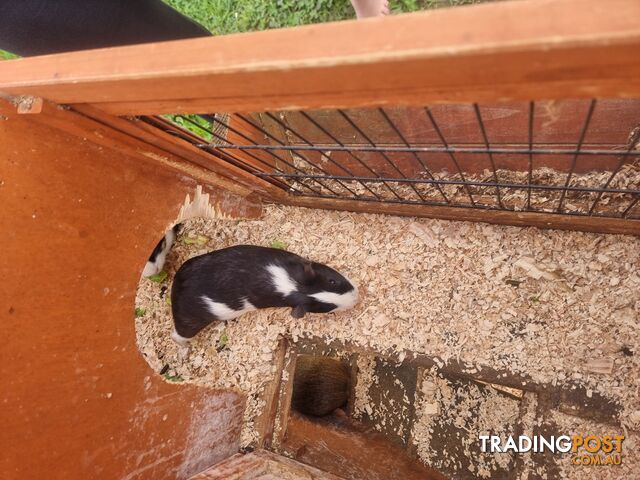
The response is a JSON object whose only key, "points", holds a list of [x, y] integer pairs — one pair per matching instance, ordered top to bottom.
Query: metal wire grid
{"points": [[310, 178]]}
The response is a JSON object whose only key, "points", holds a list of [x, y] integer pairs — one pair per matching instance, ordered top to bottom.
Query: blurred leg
{"points": [[370, 8]]}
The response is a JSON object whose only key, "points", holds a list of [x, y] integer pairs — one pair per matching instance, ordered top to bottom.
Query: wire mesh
{"points": [[572, 158]]}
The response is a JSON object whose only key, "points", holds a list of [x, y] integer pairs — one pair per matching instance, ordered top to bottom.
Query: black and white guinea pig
{"points": [[157, 258], [226, 283]]}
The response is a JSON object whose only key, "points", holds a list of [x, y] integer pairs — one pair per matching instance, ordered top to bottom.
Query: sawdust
{"points": [[512, 198], [548, 305], [366, 378], [469, 410], [629, 467]]}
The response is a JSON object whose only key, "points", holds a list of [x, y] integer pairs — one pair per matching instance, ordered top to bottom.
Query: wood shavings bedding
{"points": [[514, 199], [542, 304], [469, 410], [629, 467]]}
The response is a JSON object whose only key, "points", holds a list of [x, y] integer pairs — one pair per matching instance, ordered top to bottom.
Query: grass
{"points": [[233, 16], [4, 55]]}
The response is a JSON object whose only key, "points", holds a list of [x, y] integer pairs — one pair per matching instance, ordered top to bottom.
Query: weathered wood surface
{"points": [[496, 51], [556, 125], [160, 145], [82, 209], [520, 219], [351, 454], [262, 465]]}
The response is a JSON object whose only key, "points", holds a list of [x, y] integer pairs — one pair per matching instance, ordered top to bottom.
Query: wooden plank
{"points": [[520, 50], [555, 122], [556, 125], [242, 133], [107, 136], [158, 140], [519, 219], [81, 220], [284, 400], [266, 422], [349, 452], [262, 465], [280, 466], [236, 467]]}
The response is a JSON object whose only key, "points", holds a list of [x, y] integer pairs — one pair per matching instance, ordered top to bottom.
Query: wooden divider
{"points": [[522, 50], [515, 51], [83, 205]]}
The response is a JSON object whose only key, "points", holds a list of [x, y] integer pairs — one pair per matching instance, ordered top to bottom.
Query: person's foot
{"points": [[370, 8]]}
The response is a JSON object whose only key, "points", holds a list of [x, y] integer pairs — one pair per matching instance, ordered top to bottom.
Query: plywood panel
{"points": [[78, 401]]}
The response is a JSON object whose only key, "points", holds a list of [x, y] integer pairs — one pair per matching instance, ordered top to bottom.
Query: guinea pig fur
{"points": [[155, 264], [226, 283]]}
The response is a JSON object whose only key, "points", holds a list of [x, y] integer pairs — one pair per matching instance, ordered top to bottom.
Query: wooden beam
{"points": [[530, 49], [106, 136], [157, 139], [519, 219], [271, 395], [347, 451], [262, 465]]}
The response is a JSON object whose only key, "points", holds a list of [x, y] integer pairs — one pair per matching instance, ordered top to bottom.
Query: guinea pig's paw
{"points": [[298, 311], [180, 340]]}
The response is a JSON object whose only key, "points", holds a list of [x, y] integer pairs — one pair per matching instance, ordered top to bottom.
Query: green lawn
{"points": [[231, 16], [6, 55]]}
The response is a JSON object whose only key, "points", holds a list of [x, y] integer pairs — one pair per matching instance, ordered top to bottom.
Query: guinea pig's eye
{"points": [[332, 282]]}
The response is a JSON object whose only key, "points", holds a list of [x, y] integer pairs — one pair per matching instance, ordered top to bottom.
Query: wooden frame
{"points": [[531, 49], [489, 52], [87, 193], [86, 205], [331, 448]]}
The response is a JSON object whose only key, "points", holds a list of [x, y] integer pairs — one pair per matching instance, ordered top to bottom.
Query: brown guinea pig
{"points": [[320, 385]]}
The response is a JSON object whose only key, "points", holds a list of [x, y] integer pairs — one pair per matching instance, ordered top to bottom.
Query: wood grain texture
{"points": [[520, 50], [556, 125], [195, 162], [519, 219], [78, 400], [266, 421], [351, 454], [262, 465]]}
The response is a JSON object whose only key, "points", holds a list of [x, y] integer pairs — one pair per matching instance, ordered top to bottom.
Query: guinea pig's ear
{"points": [[309, 272]]}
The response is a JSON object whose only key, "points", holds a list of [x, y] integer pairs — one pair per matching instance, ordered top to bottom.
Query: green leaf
{"points": [[4, 55], [200, 240], [279, 244], [159, 277], [140, 312], [222, 341], [173, 378]]}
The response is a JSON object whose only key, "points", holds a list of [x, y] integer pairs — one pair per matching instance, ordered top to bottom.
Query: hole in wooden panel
{"points": [[320, 386]]}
